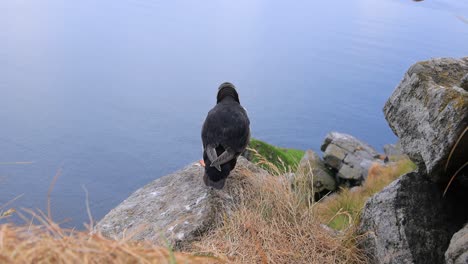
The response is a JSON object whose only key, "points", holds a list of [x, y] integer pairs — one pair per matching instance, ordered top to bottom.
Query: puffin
{"points": [[225, 135]]}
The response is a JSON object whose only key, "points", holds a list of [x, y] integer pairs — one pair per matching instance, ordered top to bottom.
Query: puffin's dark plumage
{"points": [[225, 135]]}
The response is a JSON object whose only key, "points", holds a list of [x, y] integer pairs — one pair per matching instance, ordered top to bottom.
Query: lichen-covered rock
{"points": [[464, 82], [428, 112], [393, 150], [350, 157], [314, 169], [178, 207], [407, 222], [457, 252]]}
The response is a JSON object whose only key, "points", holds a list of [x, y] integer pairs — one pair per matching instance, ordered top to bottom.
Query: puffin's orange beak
{"points": [[202, 162]]}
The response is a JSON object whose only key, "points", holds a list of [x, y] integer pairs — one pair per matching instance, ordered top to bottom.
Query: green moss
{"points": [[285, 159]]}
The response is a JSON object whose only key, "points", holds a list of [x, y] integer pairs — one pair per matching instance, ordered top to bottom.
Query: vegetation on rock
{"points": [[284, 159], [341, 211], [275, 223], [49, 243]]}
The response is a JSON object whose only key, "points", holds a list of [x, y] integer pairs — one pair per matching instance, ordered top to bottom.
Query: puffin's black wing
{"points": [[226, 126]]}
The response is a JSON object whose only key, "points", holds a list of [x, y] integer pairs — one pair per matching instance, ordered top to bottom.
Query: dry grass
{"points": [[341, 211], [274, 225], [44, 241], [48, 243]]}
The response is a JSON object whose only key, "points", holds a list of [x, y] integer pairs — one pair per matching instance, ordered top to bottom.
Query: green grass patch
{"points": [[285, 159]]}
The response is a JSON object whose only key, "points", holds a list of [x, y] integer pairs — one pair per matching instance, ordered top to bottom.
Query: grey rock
{"points": [[464, 82], [428, 112], [347, 142], [393, 150], [248, 154], [334, 156], [350, 157], [315, 171], [351, 173], [290, 176], [178, 207], [407, 222], [332, 231], [457, 252]]}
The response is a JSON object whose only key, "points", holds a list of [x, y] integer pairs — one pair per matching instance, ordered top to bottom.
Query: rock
{"points": [[464, 82], [428, 112], [393, 150], [248, 154], [350, 157], [314, 169], [290, 176], [355, 189], [177, 207], [407, 222], [331, 231], [457, 252]]}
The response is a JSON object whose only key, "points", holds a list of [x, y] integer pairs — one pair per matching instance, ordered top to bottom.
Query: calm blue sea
{"points": [[113, 93]]}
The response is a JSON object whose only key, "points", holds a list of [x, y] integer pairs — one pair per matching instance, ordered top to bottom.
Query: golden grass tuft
{"points": [[341, 211], [274, 225], [44, 241], [51, 244]]}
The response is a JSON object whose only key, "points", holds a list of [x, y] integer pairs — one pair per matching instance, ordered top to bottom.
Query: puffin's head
{"points": [[227, 89]]}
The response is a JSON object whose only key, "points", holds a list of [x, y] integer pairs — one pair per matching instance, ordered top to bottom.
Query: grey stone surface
{"points": [[464, 82], [428, 112], [393, 150], [334, 156], [350, 157], [313, 167], [178, 207], [407, 222], [457, 252]]}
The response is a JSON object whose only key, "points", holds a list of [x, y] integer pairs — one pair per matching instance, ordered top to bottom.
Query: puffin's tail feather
{"points": [[212, 156], [225, 157]]}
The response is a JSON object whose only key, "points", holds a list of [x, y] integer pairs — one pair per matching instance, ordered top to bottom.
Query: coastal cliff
{"points": [[412, 220]]}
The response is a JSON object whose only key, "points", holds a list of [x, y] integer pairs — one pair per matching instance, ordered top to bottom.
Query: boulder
{"points": [[464, 82], [428, 111], [393, 150], [348, 156], [315, 171], [177, 208], [407, 222], [457, 252]]}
